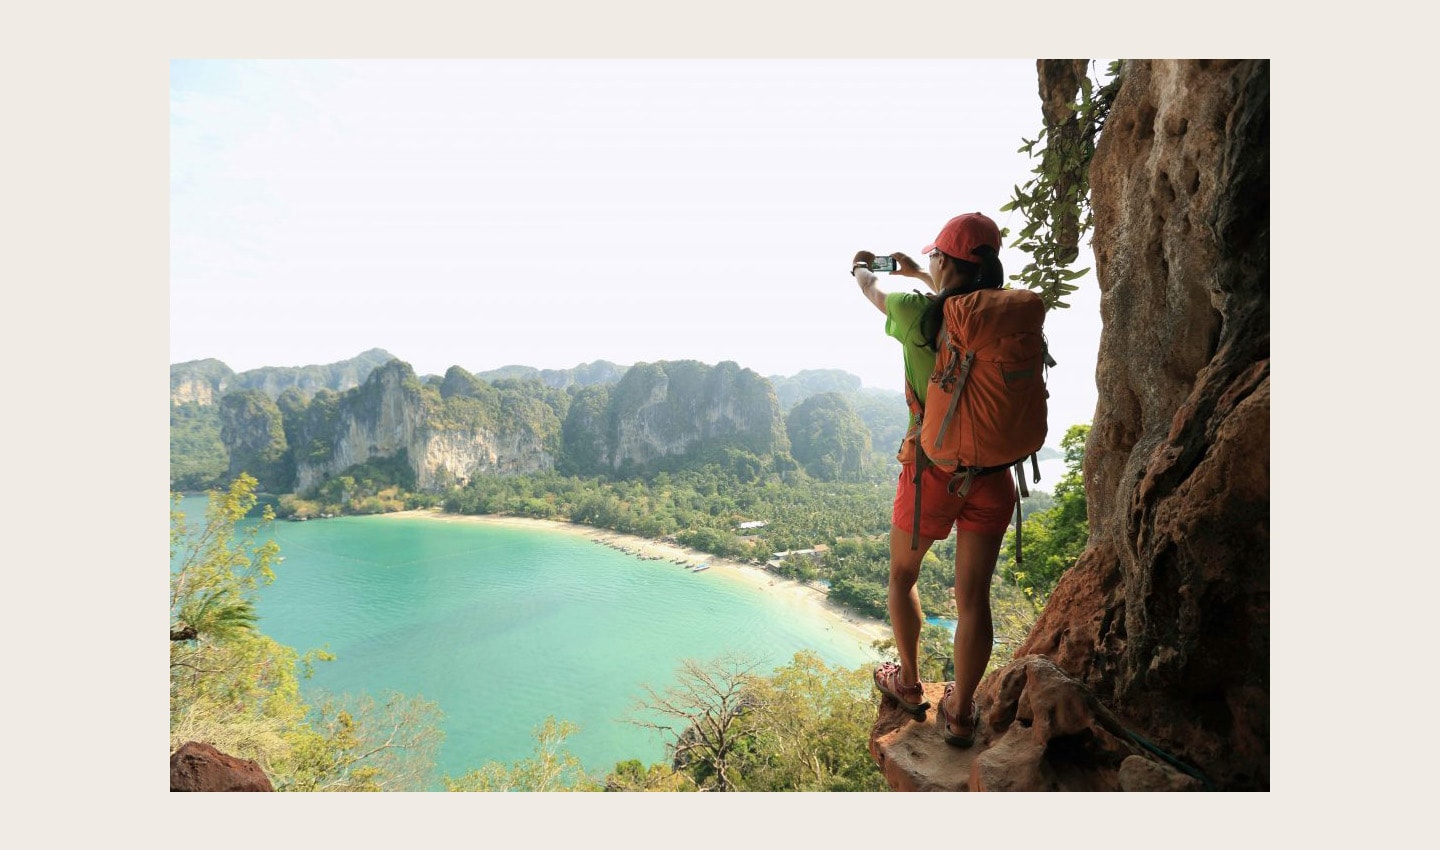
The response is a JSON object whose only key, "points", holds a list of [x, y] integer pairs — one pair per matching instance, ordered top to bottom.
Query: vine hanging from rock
{"points": [[1056, 201]]}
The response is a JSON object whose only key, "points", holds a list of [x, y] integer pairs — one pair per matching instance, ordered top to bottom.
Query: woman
{"points": [[963, 258]]}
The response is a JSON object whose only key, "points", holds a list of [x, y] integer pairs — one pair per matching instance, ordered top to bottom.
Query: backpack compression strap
{"points": [[952, 380], [922, 461], [1021, 492]]}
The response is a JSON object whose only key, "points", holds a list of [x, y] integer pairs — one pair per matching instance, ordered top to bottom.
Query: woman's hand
{"points": [[862, 258], [906, 266]]}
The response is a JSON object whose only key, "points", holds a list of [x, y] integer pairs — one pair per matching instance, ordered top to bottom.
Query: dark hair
{"points": [[986, 274]]}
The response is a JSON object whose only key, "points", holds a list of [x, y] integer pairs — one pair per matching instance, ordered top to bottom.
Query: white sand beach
{"points": [[793, 592]]}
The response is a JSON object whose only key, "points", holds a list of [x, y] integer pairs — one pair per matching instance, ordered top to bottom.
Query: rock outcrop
{"points": [[585, 375], [199, 381], [205, 381], [670, 410], [392, 415], [252, 429], [450, 430], [1163, 624], [1043, 731], [201, 767]]}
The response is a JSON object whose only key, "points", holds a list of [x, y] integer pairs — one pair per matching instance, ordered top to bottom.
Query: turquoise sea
{"points": [[503, 626]]}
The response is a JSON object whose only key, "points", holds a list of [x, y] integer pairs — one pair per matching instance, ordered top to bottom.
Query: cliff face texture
{"points": [[200, 381], [205, 381], [668, 410], [389, 415], [448, 432], [1163, 625], [200, 767]]}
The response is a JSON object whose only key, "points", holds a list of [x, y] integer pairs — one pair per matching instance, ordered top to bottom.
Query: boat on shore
{"points": [[698, 567]]}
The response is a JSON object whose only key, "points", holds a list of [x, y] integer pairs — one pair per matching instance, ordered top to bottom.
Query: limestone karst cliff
{"points": [[200, 381], [206, 381], [665, 411], [451, 430], [445, 436], [1158, 639]]}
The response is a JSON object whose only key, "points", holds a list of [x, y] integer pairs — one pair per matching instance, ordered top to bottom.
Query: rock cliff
{"points": [[584, 375], [201, 381], [206, 381], [669, 411], [393, 415], [252, 429], [451, 429], [1158, 639]]}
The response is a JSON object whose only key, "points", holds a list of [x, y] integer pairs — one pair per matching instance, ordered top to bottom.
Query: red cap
{"points": [[962, 234]]}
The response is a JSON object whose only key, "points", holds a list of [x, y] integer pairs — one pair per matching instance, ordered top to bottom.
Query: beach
{"points": [[801, 596]]}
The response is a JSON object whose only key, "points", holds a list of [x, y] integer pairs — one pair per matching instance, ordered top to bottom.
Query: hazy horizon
{"points": [[549, 213]]}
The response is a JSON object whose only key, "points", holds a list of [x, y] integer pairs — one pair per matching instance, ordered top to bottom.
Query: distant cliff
{"points": [[584, 375], [200, 381], [206, 381], [793, 389], [660, 413], [295, 427], [447, 431], [446, 434], [827, 438]]}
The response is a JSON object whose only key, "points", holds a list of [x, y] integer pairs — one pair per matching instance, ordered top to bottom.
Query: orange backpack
{"points": [[985, 408]]}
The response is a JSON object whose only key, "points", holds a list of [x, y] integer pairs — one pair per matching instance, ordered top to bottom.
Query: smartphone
{"points": [[884, 264]]}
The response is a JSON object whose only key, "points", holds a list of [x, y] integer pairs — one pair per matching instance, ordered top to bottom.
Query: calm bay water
{"points": [[504, 626]]}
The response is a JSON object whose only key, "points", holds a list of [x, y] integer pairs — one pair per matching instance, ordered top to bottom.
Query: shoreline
{"points": [[865, 629]]}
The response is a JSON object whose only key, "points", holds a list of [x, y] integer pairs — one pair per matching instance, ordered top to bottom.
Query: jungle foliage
{"points": [[1055, 202], [197, 456], [1052, 539], [237, 689], [727, 727]]}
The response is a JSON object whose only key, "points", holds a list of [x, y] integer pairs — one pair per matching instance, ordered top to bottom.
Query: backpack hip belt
{"points": [[964, 475]]}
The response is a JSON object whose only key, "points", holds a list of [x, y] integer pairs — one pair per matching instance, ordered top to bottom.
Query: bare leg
{"points": [[975, 556], [904, 601]]}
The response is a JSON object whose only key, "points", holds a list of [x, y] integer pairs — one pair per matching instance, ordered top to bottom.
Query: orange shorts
{"points": [[988, 508]]}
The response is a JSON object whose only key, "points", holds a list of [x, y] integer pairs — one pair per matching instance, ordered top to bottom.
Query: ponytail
{"points": [[987, 273], [992, 273]]}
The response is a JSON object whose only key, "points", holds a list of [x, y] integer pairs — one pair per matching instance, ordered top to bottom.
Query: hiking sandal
{"points": [[887, 682], [942, 719]]}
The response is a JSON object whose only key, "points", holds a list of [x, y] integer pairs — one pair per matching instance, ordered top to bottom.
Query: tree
{"points": [[1053, 539], [213, 585], [229, 685], [239, 690], [706, 715], [810, 720], [364, 744], [552, 768], [632, 775]]}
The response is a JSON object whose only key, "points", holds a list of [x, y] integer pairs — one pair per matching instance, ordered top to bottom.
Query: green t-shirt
{"points": [[902, 321]]}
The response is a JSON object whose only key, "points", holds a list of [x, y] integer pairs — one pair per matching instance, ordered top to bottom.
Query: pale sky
{"points": [[556, 212]]}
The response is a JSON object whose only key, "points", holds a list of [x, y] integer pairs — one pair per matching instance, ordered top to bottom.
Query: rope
{"points": [[1112, 723], [1169, 759]]}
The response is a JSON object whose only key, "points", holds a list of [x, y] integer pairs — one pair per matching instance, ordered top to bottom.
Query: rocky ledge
{"points": [[1040, 730]]}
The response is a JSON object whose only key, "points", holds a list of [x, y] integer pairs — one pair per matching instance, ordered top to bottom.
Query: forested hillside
{"points": [[296, 429]]}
